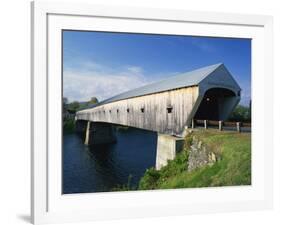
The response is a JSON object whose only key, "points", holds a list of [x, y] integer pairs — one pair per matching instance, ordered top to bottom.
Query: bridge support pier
{"points": [[95, 133], [99, 133], [87, 135], [167, 148]]}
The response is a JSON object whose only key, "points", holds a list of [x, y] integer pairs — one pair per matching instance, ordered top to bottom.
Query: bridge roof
{"points": [[187, 79]]}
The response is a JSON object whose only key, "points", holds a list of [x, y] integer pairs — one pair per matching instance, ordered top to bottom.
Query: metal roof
{"points": [[187, 79]]}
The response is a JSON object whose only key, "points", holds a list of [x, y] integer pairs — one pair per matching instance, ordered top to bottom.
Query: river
{"points": [[100, 168]]}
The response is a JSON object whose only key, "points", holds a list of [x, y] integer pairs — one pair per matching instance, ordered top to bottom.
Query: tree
{"points": [[94, 100], [74, 106], [241, 113]]}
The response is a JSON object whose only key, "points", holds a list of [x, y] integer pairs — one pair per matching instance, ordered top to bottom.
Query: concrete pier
{"points": [[95, 133], [99, 133], [87, 134], [167, 148]]}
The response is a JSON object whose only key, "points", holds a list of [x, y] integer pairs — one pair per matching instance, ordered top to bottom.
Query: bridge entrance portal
{"points": [[215, 104]]}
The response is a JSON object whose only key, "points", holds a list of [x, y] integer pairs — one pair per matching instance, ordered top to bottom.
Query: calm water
{"points": [[101, 168]]}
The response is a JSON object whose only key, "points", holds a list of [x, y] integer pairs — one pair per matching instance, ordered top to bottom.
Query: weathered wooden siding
{"points": [[155, 116]]}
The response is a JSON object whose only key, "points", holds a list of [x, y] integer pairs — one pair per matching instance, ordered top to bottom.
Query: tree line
{"points": [[75, 105], [69, 110], [241, 113]]}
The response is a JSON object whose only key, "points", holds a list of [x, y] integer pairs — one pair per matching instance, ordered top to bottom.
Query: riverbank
{"points": [[208, 159], [227, 163], [231, 166]]}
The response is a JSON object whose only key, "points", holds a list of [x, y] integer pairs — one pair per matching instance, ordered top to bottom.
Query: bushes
{"points": [[241, 114], [188, 142], [152, 178], [149, 180]]}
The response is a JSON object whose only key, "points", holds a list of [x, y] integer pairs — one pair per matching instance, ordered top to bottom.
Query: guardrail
{"points": [[220, 124]]}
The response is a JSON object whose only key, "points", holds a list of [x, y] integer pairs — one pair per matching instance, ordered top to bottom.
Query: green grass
{"points": [[233, 168]]}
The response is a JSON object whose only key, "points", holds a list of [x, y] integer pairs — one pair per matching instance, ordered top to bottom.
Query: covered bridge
{"points": [[169, 105]]}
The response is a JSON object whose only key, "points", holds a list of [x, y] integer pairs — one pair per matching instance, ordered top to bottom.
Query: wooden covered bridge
{"points": [[166, 107]]}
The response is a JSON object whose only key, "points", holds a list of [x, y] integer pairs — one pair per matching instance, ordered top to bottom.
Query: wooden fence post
{"points": [[192, 124], [205, 124], [220, 125], [238, 126]]}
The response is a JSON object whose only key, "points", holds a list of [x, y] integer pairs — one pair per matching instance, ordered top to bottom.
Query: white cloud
{"points": [[135, 69], [92, 79], [96, 80]]}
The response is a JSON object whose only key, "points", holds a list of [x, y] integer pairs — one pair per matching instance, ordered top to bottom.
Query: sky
{"points": [[104, 64]]}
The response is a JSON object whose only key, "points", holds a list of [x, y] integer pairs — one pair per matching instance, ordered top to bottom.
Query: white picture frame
{"points": [[48, 205]]}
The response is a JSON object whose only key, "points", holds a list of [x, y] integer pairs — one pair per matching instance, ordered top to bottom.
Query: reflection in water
{"points": [[103, 167]]}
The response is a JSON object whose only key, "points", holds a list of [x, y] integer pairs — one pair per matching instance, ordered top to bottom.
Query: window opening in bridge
{"points": [[142, 109], [169, 109], [117, 110], [128, 110], [109, 111]]}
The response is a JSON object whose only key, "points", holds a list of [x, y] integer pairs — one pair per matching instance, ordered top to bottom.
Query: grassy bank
{"points": [[233, 168]]}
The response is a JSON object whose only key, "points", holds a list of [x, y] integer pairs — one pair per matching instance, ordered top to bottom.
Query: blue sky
{"points": [[104, 64]]}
